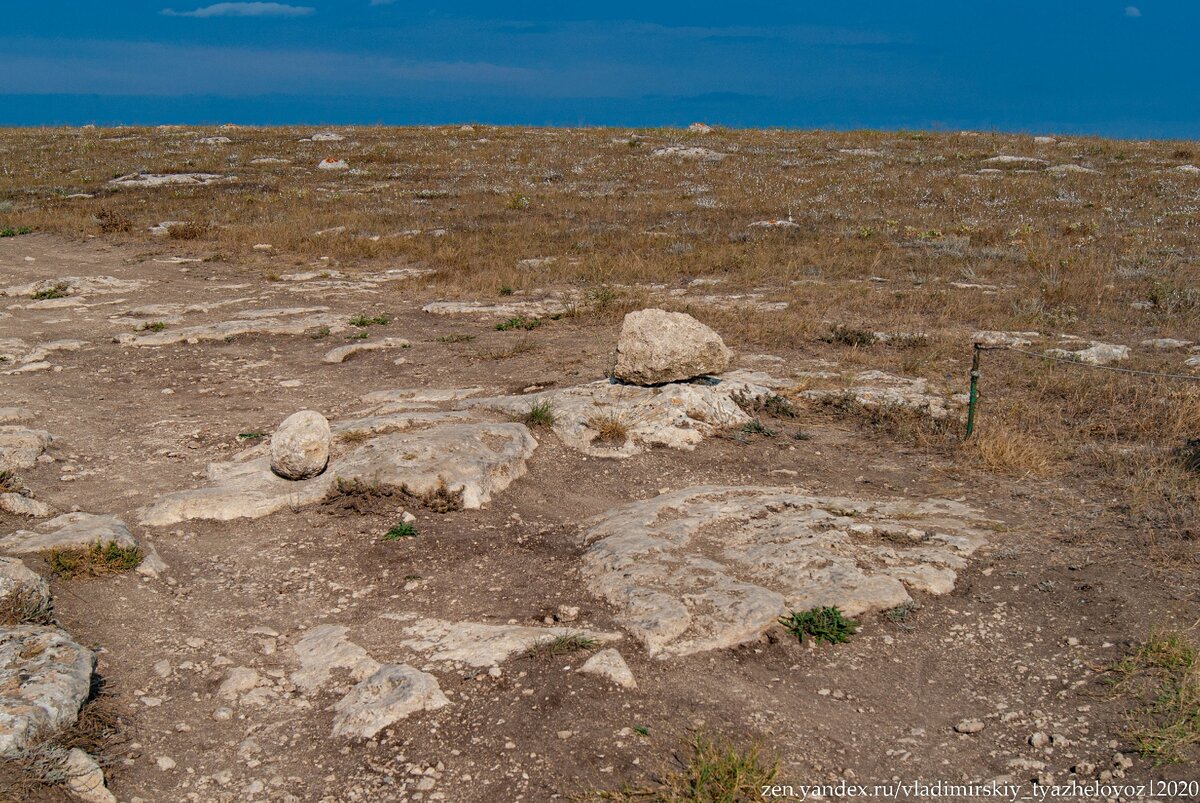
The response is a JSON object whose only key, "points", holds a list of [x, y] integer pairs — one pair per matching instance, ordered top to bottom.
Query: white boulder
{"points": [[656, 346], [300, 447]]}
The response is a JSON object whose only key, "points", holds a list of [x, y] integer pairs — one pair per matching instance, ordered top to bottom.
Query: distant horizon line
{"points": [[722, 110]]}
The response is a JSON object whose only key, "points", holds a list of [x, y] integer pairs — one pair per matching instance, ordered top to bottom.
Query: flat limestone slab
{"points": [[247, 326], [343, 353], [678, 415], [21, 446], [474, 459], [478, 460], [69, 531], [714, 566], [482, 645], [327, 648], [44, 678], [389, 695]]}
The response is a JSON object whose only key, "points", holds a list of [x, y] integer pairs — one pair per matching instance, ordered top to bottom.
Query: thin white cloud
{"points": [[243, 10], [1133, 11]]}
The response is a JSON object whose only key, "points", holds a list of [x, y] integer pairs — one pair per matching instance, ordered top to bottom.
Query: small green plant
{"points": [[518, 201], [11, 232], [59, 290], [506, 290], [363, 321], [520, 322], [156, 326], [321, 333], [358, 336], [456, 338], [541, 414], [757, 427], [801, 435], [251, 436], [401, 530], [93, 561], [821, 624], [561, 645], [1163, 675], [642, 729], [717, 771]]}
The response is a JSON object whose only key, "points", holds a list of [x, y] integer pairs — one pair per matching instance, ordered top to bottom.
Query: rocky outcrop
{"points": [[69, 531], [712, 566], [44, 679]]}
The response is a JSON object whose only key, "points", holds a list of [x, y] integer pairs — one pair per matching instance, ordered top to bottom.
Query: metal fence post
{"points": [[974, 398]]}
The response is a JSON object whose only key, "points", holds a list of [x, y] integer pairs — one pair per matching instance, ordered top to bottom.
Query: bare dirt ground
{"points": [[1093, 547]]}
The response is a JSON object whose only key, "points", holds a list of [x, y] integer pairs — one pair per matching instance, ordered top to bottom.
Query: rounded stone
{"points": [[300, 446]]}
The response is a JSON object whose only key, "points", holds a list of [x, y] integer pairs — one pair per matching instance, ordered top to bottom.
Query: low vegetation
{"points": [[363, 321], [541, 414], [611, 429], [402, 530], [93, 561], [820, 624], [561, 645], [1162, 676], [713, 770]]}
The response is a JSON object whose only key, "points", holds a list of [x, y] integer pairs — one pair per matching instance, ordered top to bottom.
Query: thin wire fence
{"points": [[977, 369]]}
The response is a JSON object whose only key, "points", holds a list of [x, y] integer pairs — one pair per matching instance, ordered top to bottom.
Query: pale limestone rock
{"points": [[683, 152], [166, 179], [506, 309], [246, 325], [656, 346], [342, 353], [1096, 353], [879, 389], [675, 415], [21, 446], [300, 446], [471, 460], [20, 505], [69, 531], [712, 567], [24, 594], [481, 645], [324, 649], [609, 664], [44, 679], [237, 682], [390, 694], [85, 778]]}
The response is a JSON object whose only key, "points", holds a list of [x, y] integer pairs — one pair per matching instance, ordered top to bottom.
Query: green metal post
{"points": [[974, 400]]}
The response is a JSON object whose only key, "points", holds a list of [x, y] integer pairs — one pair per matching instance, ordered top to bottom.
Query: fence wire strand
{"points": [[1113, 368]]}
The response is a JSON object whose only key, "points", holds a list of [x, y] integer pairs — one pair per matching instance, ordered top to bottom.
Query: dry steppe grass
{"points": [[895, 232]]}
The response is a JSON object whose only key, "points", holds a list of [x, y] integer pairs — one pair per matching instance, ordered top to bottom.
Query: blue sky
{"points": [[1086, 66]]}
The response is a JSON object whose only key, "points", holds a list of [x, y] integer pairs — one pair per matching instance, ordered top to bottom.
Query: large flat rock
{"points": [[678, 415], [21, 446], [473, 460], [69, 531], [713, 566], [482, 645], [44, 678], [391, 693]]}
